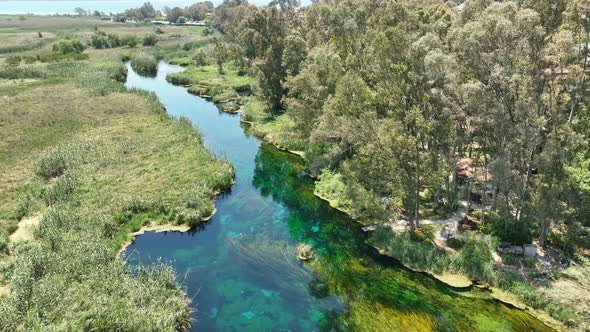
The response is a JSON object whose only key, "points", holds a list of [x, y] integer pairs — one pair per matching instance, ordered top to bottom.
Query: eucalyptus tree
{"points": [[263, 36], [309, 90]]}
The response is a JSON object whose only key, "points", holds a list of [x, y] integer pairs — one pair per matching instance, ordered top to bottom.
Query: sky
{"points": [[108, 6]]}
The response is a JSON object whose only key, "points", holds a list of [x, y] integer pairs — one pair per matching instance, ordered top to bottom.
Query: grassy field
{"points": [[20, 34], [90, 163]]}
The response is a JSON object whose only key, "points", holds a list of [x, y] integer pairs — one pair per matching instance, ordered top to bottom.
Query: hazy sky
{"points": [[107, 6]]}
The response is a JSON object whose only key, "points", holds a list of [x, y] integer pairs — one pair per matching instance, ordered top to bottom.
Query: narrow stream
{"points": [[241, 268]]}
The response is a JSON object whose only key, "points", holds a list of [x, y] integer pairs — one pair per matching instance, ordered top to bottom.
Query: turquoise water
{"points": [[47, 7], [241, 269]]}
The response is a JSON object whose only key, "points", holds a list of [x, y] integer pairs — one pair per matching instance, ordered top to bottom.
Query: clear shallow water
{"points": [[241, 269]]}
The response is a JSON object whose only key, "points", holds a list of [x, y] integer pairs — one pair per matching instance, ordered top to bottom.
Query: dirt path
{"points": [[453, 221]]}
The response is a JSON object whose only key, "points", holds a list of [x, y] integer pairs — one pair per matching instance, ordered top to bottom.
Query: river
{"points": [[241, 269]]}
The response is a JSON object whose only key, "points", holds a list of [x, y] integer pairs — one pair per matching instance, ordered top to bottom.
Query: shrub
{"points": [[39, 34], [101, 40], [129, 40], [150, 40], [68, 46], [57, 57], [125, 57], [29, 59], [200, 59], [13, 60], [144, 64], [119, 73], [57, 161], [61, 190], [25, 200], [54, 221], [4, 241], [419, 255], [475, 260]]}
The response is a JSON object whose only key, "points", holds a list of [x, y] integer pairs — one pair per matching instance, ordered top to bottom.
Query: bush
{"points": [[102, 40], [150, 40], [129, 41], [68, 46], [57, 57], [125, 57], [29, 59], [13, 60], [144, 64], [119, 73], [179, 79], [57, 161], [61, 190], [4, 241], [420, 255], [475, 260]]}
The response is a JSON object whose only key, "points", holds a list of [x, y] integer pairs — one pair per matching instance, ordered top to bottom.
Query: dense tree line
{"points": [[195, 12], [143, 13], [394, 94]]}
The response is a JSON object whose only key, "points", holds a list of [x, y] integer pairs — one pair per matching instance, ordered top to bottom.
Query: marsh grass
{"points": [[24, 48], [144, 64], [209, 76], [278, 131], [99, 162], [4, 241], [418, 252]]}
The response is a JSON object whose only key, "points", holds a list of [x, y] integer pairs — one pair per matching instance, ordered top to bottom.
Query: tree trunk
{"points": [[525, 185], [417, 203], [545, 232]]}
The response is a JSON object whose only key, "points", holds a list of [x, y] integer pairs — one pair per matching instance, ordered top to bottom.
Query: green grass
{"points": [[23, 48], [144, 64], [209, 76], [278, 131], [98, 162], [332, 187]]}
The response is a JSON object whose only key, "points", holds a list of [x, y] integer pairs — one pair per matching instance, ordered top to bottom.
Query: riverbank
{"points": [[160, 229], [451, 279]]}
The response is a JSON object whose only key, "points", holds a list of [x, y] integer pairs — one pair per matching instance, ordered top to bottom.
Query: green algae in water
{"points": [[245, 309], [248, 314]]}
